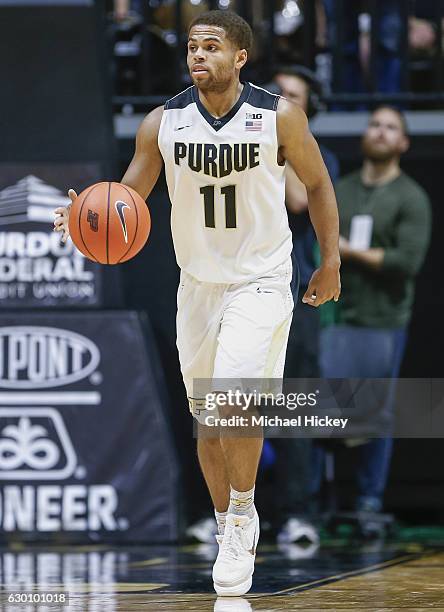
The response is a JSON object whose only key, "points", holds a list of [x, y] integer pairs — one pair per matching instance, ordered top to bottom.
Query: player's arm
{"points": [[299, 148], [145, 167], [142, 173], [296, 198]]}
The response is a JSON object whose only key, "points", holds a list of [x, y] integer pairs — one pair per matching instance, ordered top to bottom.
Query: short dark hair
{"points": [[237, 29], [297, 70], [314, 85], [395, 110]]}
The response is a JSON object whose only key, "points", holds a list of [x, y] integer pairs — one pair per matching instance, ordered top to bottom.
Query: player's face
{"points": [[212, 60], [293, 88], [384, 138]]}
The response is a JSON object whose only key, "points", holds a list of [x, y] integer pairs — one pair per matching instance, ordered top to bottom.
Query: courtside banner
{"points": [[36, 269], [85, 451]]}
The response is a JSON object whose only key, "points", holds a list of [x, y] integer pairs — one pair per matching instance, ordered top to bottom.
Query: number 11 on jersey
{"points": [[229, 193]]}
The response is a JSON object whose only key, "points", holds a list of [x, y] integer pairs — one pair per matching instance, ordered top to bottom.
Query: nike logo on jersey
{"points": [[181, 127], [120, 207], [259, 290]]}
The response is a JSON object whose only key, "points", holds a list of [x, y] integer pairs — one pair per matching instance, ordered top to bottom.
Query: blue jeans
{"points": [[389, 26], [347, 351]]}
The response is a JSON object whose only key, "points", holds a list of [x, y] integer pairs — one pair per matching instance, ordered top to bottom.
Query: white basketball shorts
{"points": [[233, 331]]}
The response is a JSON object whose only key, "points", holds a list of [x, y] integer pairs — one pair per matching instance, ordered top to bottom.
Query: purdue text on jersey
{"points": [[218, 161]]}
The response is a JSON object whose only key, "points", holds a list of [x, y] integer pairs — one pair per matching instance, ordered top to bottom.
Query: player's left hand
{"points": [[61, 222], [324, 285]]}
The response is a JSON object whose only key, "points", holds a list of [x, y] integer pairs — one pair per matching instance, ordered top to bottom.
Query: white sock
{"points": [[241, 502], [220, 519]]}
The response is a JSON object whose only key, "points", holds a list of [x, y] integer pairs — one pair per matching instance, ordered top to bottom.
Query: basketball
{"points": [[109, 223]]}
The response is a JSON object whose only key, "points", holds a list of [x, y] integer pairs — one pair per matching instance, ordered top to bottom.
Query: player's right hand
{"points": [[62, 216]]}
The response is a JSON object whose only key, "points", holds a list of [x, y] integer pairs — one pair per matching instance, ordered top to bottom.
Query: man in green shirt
{"points": [[385, 221]]}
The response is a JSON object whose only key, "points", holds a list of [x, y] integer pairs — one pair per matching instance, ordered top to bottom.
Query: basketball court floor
{"points": [[336, 576]]}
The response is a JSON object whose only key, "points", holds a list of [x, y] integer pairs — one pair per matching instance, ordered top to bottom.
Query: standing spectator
{"points": [[357, 24], [378, 280], [293, 456]]}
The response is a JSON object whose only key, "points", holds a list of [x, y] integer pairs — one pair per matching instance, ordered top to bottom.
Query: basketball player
{"points": [[224, 144]]}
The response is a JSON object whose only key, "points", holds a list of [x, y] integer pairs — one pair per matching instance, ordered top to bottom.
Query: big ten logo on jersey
{"points": [[253, 122], [217, 160], [37, 453]]}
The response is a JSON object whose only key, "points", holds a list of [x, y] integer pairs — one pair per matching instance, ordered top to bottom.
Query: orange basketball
{"points": [[109, 223]]}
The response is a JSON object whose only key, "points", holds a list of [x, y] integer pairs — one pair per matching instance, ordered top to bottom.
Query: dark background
{"points": [[55, 107]]}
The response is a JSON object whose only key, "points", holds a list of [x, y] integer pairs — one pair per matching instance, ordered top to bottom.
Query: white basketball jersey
{"points": [[229, 221]]}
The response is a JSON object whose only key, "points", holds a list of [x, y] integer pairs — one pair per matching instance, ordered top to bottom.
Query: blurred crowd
{"points": [[342, 32]]}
